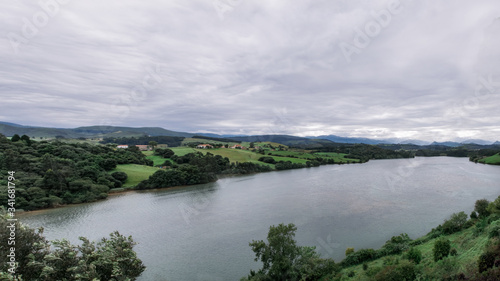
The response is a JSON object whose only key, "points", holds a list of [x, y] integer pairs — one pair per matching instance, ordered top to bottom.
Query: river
{"points": [[202, 232]]}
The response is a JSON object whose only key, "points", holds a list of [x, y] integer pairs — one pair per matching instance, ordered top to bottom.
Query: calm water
{"points": [[202, 232]]}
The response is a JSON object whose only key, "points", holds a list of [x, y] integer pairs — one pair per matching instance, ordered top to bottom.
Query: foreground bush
{"points": [[441, 249], [111, 258], [404, 271]]}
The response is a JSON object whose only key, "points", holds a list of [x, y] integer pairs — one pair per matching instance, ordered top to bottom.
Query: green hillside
{"points": [[492, 160], [136, 173]]}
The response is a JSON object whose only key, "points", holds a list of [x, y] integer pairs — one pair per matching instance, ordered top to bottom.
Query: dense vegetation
{"points": [[216, 139], [145, 140], [365, 152], [196, 168], [48, 174], [461, 248], [111, 258]]}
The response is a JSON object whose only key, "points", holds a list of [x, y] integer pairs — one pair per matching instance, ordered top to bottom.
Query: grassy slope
{"points": [[157, 160], [493, 160], [136, 173], [469, 247]]}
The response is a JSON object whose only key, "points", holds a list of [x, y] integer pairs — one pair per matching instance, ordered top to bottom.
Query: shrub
{"points": [[267, 159], [121, 176], [481, 207], [473, 215], [455, 223], [469, 223], [495, 231], [441, 249], [349, 251], [453, 252], [414, 255], [360, 256], [485, 261], [365, 266], [372, 271], [404, 271]]}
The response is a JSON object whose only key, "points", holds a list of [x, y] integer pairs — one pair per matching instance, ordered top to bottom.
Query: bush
{"points": [[267, 159], [121, 176], [481, 207], [473, 215], [455, 223], [469, 223], [481, 225], [495, 231], [396, 245], [441, 249], [349, 251], [453, 252], [414, 255], [358, 257], [485, 261], [372, 271], [404, 271]]}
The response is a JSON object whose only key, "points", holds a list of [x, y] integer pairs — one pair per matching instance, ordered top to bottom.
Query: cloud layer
{"points": [[410, 69]]}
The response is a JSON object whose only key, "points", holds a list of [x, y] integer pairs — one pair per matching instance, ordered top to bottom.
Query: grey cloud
{"points": [[263, 65]]}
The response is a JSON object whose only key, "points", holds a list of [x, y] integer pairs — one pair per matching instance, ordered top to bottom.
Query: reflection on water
{"points": [[202, 232]]}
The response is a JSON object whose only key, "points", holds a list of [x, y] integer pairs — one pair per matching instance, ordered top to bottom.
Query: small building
{"points": [[122, 146], [205, 146], [237, 146], [143, 147]]}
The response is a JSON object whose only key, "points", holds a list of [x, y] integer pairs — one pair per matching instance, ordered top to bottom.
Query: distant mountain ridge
{"points": [[9, 129]]}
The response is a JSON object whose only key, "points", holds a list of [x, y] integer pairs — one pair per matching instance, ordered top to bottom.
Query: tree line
{"points": [[145, 140], [49, 174]]}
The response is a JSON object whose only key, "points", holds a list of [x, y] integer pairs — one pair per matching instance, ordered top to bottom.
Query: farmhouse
{"points": [[122, 146], [204, 146], [237, 146], [143, 147]]}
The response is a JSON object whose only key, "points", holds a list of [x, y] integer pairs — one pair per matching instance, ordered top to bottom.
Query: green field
{"points": [[183, 150], [338, 157], [157, 160], [493, 160], [136, 173]]}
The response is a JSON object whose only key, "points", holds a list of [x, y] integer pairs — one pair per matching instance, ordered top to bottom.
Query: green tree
{"points": [[15, 138], [26, 139], [153, 144], [121, 176], [481, 207], [494, 207], [455, 223], [441, 248], [279, 254], [414, 255], [111, 258], [283, 260]]}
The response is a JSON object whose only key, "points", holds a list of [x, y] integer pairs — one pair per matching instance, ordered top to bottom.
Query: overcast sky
{"points": [[424, 70]]}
